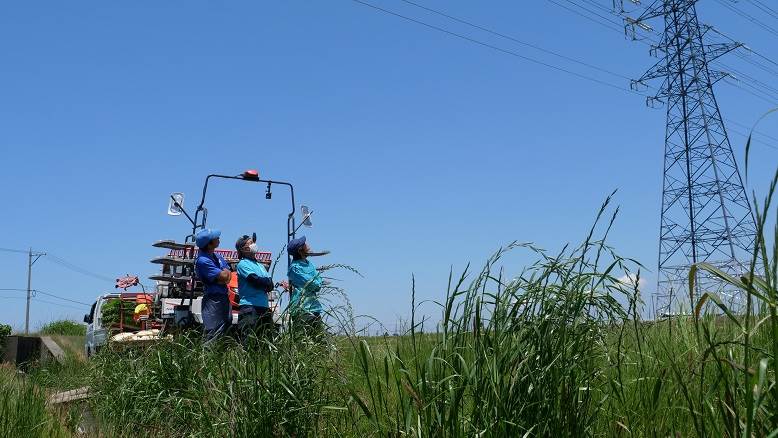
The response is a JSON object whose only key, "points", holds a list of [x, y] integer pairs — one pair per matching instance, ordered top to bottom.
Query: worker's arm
{"points": [[210, 272], [224, 276], [307, 278], [261, 283]]}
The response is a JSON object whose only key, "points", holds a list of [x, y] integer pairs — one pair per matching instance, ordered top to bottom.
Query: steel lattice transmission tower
{"points": [[706, 215]]}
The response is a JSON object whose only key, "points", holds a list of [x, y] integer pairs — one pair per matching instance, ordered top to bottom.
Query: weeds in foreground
{"points": [[63, 328], [559, 350], [23, 411]]}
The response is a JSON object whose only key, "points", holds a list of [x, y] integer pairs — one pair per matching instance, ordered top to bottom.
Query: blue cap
{"points": [[205, 236], [295, 245]]}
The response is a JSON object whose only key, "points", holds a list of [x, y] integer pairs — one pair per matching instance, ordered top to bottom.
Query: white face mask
{"points": [[253, 248]]}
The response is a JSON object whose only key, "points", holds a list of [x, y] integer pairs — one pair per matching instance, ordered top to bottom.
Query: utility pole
{"points": [[706, 215], [30, 262]]}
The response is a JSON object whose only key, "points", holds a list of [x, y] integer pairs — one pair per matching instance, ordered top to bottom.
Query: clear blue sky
{"points": [[418, 151]]}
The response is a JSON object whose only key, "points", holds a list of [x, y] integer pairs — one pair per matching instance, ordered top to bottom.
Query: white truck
{"points": [[99, 330]]}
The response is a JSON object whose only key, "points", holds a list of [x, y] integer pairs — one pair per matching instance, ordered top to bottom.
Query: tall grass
{"points": [[63, 328], [558, 350], [527, 355], [181, 387], [23, 411]]}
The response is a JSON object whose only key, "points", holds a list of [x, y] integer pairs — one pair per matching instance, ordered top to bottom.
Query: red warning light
{"points": [[251, 175]]}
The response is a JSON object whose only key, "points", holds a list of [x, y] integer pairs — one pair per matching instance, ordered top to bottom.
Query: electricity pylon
{"points": [[706, 215]]}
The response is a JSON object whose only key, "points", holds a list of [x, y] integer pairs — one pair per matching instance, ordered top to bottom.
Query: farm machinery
{"points": [[179, 294]]}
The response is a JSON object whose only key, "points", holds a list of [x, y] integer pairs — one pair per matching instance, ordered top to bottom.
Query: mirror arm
{"points": [[181, 207], [302, 222]]}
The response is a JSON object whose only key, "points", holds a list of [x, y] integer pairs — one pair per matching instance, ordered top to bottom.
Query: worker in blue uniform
{"points": [[214, 272], [254, 284], [304, 286]]}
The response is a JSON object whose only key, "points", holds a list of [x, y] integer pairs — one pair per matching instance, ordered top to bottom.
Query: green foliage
{"points": [[64, 328], [5, 331], [559, 350], [518, 356], [71, 373], [224, 390], [23, 411]]}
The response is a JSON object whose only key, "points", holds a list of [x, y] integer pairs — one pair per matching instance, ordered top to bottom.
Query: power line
{"points": [[599, 6], [770, 11], [586, 16], [749, 17], [607, 19], [502, 35], [516, 40], [493, 47], [750, 50], [735, 84], [759, 87], [757, 90], [749, 128], [745, 135], [13, 250], [65, 264], [75, 268], [36, 291], [59, 297], [43, 301], [58, 304]]}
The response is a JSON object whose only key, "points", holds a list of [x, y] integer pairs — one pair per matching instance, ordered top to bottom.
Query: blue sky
{"points": [[417, 150]]}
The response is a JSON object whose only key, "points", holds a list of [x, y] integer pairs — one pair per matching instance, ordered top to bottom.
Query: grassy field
{"points": [[557, 350], [23, 410]]}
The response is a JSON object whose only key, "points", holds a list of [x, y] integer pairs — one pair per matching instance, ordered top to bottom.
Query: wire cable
{"points": [[765, 8], [587, 17], [749, 17], [606, 18], [502, 35], [516, 40], [493, 47], [749, 50], [748, 84], [757, 95], [749, 128], [745, 135], [14, 250], [65, 264], [36, 291], [59, 297], [38, 300], [59, 304]]}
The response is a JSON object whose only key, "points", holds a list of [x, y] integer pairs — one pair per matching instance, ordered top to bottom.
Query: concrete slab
{"points": [[51, 349]]}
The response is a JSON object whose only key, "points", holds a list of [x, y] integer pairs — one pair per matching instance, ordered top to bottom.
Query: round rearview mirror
{"points": [[176, 205], [306, 212]]}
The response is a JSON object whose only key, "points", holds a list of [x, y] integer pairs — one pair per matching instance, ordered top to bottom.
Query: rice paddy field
{"points": [[558, 350]]}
